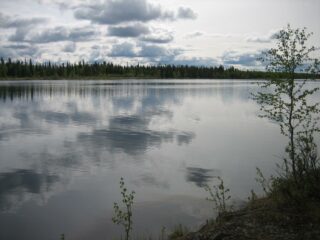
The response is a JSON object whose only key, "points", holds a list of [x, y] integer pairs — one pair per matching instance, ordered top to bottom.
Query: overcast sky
{"points": [[195, 32]]}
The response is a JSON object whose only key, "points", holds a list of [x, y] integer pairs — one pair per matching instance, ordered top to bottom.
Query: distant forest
{"points": [[27, 69]]}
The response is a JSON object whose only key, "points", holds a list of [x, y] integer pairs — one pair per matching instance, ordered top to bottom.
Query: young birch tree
{"points": [[285, 100]]}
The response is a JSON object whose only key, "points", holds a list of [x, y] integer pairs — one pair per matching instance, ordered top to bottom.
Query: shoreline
{"points": [[121, 78], [135, 78], [261, 219]]}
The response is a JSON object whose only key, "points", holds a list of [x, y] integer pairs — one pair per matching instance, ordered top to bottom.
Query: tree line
{"points": [[11, 69]]}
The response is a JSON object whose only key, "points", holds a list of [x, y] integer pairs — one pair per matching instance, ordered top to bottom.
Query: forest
{"points": [[28, 69]]}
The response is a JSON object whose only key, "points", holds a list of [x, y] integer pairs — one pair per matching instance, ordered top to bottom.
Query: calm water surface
{"points": [[65, 144]]}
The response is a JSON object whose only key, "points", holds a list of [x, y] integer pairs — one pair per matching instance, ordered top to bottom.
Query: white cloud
{"points": [[186, 13], [217, 32], [195, 34], [158, 35], [262, 39]]}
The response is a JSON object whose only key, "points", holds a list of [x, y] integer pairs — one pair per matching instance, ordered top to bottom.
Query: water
{"points": [[65, 144]]}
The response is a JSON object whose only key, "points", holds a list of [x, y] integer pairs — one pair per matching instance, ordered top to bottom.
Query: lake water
{"points": [[65, 144]]}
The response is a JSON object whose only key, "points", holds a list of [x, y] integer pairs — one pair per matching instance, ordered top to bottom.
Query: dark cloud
{"points": [[115, 12], [186, 13], [9, 22], [22, 26], [134, 30], [145, 33], [58, 34], [19, 35], [18, 46], [70, 47], [123, 50], [19, 51], [32, 51], [152, 51], [7, 52], [156, 52], [243, 59]]}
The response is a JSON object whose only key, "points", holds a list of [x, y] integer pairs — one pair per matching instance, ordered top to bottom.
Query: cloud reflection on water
{"points": [[32, 105], [85, 135], [201, 176], [17, 186]]}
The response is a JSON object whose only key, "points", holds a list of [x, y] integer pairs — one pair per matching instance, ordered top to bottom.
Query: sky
{"points": [[193, 32]]}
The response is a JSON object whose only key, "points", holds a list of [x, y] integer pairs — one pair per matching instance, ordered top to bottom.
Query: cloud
{"points": [[112, 12], [115, 12], [186, 13], [9, 22], [22, 26], [134, 30], [56, 34], [64, 34], [195, 34], [19, 35], [159, 36], [262, 39], [18, 46], [70, 47], [125, 49], [20, 51], [31, 51], [7, 52], [151, 52], [98, 53], [158, 53], [155, 54], [243, 59], [193, 61]]}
